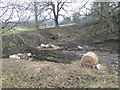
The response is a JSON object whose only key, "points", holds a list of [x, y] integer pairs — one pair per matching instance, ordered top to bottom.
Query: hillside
{"points": [[92, 35], [54, 68], [32, 74]]}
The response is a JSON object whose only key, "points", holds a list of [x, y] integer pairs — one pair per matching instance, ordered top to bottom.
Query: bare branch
{"points": [[84, 5], [61, 7], [4, 12]]}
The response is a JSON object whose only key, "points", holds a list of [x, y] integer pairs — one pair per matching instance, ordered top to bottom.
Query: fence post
{"points": [[0, 46], [0, 60]]}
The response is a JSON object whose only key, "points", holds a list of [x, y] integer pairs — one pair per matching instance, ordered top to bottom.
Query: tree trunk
{"points": [[55, 15], [36, 16], [107, 17], [56, 22], [0, 46], [0, 60]]}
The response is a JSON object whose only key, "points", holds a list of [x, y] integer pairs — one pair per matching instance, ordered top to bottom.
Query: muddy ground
{"points": [[37, 74]]}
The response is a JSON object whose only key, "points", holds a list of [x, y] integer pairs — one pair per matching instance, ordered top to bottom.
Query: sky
{"points": [[72, 5], [24, 15]]}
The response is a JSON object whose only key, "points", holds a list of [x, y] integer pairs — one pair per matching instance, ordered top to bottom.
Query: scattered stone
{"points": [[43, 45], [48, 47], [79, 47], [29, 54], [15, 56], [21, 56], [98, 66], [103, 67]]}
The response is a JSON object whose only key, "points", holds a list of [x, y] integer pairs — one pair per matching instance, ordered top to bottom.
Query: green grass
{"points": [[19, 29], [22, 29], [16, 30], [111, 76], [9, 77], [13, 77], [100, 84]]}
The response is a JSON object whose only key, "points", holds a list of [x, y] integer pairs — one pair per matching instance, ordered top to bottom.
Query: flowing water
{"points": [[111, 59]]}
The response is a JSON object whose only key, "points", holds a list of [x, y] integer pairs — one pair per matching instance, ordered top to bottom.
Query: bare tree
{"points": [[54, 8], [8, 9], [7, 15], [36, 15]]}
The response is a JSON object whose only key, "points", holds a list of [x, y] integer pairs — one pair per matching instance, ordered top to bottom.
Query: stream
{"points": [[111, 59]]}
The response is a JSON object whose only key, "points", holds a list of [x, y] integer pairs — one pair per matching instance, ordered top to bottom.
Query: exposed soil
{"points": [[91, 36], [37, 74]]}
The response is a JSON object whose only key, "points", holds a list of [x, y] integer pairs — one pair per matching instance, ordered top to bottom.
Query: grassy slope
{"points": [[82, 34], [26, 74], [29, 74]]}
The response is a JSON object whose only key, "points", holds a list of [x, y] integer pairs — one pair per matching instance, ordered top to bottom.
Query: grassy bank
{"points": [[27, 74]]}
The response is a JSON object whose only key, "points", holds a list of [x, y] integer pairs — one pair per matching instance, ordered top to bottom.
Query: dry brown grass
{"points": [[89, 60], [27, 74]]}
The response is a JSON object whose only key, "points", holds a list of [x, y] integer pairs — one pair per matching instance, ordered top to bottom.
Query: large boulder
{"points": [[90, 60]]}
